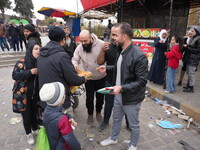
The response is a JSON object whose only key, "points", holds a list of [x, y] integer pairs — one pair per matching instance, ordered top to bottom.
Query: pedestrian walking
{"points": [[14, 36], [3, 41], [87, 53], [173, 56], [55, 65], [157, 69], [130, 76], [26, 91], [58, 125]]}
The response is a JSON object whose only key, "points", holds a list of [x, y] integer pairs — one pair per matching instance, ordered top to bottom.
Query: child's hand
{"points": [[73, 122]]}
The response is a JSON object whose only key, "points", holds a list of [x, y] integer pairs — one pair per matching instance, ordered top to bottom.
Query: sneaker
{"points": [[166, 91], [99, 117], [103, 126], [30, 139], [108, 141], [132, 148]]}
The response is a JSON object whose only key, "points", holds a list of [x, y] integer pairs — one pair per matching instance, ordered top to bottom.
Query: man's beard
{"points": [[87, 47]]}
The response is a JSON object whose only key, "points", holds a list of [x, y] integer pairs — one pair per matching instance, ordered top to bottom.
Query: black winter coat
{"points": [[193, 52]]}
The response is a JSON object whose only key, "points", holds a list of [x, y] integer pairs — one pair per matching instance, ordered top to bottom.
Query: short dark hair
{"points": [[125, 28]]}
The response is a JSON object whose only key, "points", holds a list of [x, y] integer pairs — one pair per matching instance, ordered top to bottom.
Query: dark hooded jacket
{"points": [[33, 38], [54, 65], [59, 130]]}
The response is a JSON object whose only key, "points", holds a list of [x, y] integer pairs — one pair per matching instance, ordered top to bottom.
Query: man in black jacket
{"points": [[14, 36], [32, 36], [70, 45], [54, 64], [130, 78]]}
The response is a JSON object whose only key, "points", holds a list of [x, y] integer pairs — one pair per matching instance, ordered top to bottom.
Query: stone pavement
{"points": [[188, 102], [152, 137]]}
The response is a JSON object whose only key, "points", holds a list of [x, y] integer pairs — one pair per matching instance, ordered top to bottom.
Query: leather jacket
{"points": [[134, 71]]}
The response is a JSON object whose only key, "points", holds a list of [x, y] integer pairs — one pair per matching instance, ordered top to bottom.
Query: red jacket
{"points": [[173, 56]]}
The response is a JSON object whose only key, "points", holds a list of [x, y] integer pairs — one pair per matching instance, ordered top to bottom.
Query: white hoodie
{"points": [[89, 60]]}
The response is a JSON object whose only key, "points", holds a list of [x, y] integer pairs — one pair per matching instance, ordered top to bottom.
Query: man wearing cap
{"points": [[32, 36], [54, 64]]}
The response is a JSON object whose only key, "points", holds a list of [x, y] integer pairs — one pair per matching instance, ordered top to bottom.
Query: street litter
{"points": [[3, 89], [160, 101], [3, 103], [5, 115], [184, 117], [15, 120], [189, 121], [167, 124], [150, 125], [174, 132], [91, 139], [126, 141], [186, 146]]}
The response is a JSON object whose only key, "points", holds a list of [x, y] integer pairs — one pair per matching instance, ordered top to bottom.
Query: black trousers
{"points": [[91, 87], [30, 116]]}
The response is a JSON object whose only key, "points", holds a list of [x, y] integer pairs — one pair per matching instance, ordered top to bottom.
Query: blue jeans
{"points": [[3, 42], [15, 42], [170, 79], [132, 112]]}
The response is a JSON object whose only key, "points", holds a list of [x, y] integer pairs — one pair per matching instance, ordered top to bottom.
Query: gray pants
{"points": [[191, 74], [132, 112]]}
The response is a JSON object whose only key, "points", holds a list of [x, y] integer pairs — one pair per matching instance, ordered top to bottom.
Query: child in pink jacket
{"points": [[173, 56]]}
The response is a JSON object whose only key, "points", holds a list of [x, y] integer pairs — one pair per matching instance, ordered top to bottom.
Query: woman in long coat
{"points": [[157, 70]]}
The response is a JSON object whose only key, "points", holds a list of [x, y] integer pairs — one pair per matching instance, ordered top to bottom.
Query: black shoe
{"points": [[179, 83], [185, 87], [189, 89], [102, 126]]}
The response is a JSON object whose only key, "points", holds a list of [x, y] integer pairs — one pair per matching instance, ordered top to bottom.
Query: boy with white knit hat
{"points": [[58, 125]]}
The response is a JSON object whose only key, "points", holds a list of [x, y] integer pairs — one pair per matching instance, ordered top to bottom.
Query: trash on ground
{"points": [[3, 89], [160, 101], [3, 103], [5, 115], [184, 117], [15, 120], [189, 121], [167, 124], [150, 125], [174, 131], [90, 135], [91, 139], [126, 141], [186, 146]]}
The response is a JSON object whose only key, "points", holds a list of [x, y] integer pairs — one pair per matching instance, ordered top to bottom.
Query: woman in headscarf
{"points": [[192, 57], [157, 70], [26, 91]]}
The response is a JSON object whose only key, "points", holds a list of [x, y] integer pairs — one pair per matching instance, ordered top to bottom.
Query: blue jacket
{"points": [[59, 130]]}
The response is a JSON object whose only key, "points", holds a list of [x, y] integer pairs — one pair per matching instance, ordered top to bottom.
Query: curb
{"points": [[191, 111]]}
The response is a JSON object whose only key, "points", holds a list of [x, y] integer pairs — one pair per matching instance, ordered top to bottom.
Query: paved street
{"points": [[12, 136]]}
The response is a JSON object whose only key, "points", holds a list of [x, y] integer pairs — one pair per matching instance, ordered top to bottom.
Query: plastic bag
{"points": [[42, 140]]}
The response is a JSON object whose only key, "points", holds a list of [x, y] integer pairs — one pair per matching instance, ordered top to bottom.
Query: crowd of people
{"points": [[187, 49], [44, 76]]}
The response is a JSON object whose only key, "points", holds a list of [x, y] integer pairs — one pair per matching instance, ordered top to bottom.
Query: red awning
{"points": [[91, 4]]}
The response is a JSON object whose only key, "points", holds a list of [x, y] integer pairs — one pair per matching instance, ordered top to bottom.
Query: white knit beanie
{"points": [[52, 93]]}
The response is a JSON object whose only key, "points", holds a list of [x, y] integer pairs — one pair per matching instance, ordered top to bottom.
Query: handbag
{"points": [[42, 140]]}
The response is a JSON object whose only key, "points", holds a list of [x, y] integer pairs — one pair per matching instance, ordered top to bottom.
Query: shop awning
{"points": [[92, 4]]}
